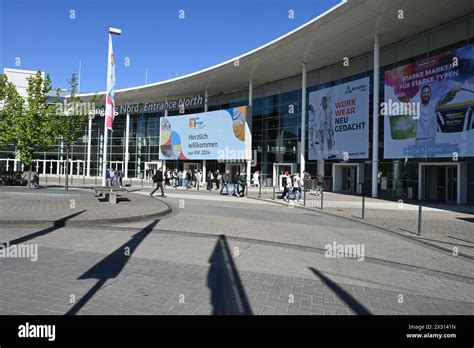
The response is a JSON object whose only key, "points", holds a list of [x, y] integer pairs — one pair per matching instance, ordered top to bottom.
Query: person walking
{"points": [[107, 177], [120, 177], [174, 177], [168, 178], [182, 178], [193, 178], [218, 178], [158, 179], [198, 179], [256, 179], [188, 180], [210, 180], [113, 181], [235, 181], [319, 181], [225, 182], [284, 182], [243, 184], [289, 187], [297, 187]]}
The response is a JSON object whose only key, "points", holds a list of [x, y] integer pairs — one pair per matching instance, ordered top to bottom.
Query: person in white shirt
{"points": [[427, 122], [198, 179], [256, 179], [289, 186], [297, 187]]}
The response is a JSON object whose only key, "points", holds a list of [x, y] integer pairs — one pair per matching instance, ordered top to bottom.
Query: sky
{"points": [[55, 35]]}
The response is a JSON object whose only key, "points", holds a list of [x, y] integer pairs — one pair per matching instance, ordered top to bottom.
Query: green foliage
{"points": [[12, 106], [71, 120], [28, 124]]}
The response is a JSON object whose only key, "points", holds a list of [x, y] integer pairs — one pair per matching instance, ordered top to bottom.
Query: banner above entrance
{"points": [[429, 107], [339, 121], [216, 135]]}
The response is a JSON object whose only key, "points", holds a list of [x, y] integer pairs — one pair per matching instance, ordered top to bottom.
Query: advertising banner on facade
{"points": [[428, 107], [339, 122], [216, 135]]}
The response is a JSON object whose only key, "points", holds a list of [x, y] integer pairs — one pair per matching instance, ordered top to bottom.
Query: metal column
{"points": [[303, 119], [375, 129], [89, 142], [127, 155], [249, 162]]}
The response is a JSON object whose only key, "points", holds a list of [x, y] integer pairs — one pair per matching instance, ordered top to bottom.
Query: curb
{"points": [[135, 218], [413, 239]]}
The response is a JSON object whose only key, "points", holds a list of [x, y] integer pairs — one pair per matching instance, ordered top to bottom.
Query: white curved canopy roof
{"points": [[346, 30]]}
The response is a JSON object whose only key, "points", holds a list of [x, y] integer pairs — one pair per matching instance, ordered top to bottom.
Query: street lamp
{"points": [[109, 100]]}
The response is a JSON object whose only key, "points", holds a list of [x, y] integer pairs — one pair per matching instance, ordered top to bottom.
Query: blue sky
{"points": [[46, 35]]}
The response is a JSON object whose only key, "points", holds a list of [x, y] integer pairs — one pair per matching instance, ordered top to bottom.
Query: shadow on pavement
{"points": [[56, 225], [111, 266], [228, 296], [348, 299]]}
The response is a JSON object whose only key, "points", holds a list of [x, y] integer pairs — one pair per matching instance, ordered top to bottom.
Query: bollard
{"points": [[46, 179], [71, 179], [83, 179], [95, 180], [59, 182], [130, 182], [142, 182], [198, 184], [260, 186], [247, 190], [304, 196], [273, 198], [322, 199], [363, 207], [420, 208]]}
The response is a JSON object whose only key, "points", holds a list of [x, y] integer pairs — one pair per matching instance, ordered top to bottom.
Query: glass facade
{"points": [[276, 133]]}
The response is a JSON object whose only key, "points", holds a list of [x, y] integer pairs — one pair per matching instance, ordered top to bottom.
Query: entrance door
{"points": [[117, 165], [192, 166], [150, 168], [233, 169], [278, 170], [348, 175], [440, 183], [451, 184]]}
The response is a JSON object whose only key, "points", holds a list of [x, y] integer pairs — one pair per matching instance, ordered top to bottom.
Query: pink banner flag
{"points": [[110, 96]]}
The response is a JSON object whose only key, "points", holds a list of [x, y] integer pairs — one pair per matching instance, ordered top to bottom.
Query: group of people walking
{"points": [[113, 177], [193, 179], [222, 181], [292, 184]]}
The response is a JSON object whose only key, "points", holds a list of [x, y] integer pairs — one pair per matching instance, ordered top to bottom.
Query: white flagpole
{"points": [[109, 109], [104, 156]]}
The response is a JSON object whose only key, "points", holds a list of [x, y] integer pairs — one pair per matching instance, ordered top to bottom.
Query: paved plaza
{"points": [[443, 225], [226, 255]]}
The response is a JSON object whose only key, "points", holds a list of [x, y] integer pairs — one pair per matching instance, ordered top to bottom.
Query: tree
{"points": [[10, 103], [71, 120], [28, 125]]}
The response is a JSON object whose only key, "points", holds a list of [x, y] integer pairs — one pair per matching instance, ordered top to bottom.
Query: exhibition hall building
{"points": [[376, 96]]}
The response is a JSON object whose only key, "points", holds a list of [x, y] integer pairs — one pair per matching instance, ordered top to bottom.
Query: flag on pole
{"points": [[110, 96]]}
